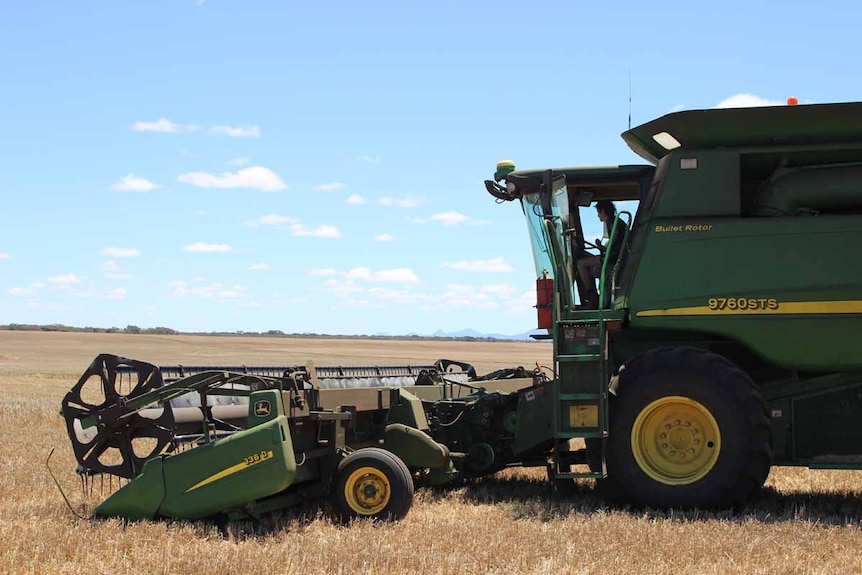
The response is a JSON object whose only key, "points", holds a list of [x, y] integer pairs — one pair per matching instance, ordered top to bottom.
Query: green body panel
{"points": [[747, 127], [782, 266], [264, 406], [408, 410], [535, 419], [415, 448], [246, 466], [227, 473], [140, 498]]}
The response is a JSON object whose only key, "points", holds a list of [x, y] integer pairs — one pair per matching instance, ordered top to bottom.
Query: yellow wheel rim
{"points": [[676, 440], [367, 491]]}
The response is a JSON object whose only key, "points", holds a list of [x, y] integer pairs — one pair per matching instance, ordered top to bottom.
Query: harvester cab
{"points": [[555, 203]]}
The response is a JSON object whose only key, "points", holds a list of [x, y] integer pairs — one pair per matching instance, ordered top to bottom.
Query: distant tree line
{"points": [[61, 327], [136, 330]]}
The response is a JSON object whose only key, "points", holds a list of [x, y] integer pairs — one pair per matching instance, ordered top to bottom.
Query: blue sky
{"points": [[226, 165]]}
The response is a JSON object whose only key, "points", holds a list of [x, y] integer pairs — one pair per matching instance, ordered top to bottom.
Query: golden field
{"points": [[802, 522]]}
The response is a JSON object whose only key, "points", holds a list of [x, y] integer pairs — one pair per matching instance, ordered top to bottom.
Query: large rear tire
{"points": [[688, 429], [373, 483]]}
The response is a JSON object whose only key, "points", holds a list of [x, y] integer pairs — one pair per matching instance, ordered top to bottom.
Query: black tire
{"points": [[688, 429], [372, 483]]}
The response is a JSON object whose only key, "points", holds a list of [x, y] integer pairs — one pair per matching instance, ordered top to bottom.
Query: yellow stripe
{"points": [[784, 308], [229, 471]]}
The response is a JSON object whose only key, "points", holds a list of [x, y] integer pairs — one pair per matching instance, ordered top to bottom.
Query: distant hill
{"points": [[473, 334]]}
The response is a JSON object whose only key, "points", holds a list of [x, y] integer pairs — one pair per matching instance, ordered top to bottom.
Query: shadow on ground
{"points": [[532, 500], [538, 501]]}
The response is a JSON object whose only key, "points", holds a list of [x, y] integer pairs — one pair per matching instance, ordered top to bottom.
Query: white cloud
{"points": [[747, 101], [677, 108], [165, 126], [237, 132], [369, 159], [239, 162], [255, 178], [132, 183], [329, 187], [355, 200], [401, 202], [200, 213], [449, 218], [275, 220], [321, 231], [385, 238], [204, 247], [119, 252], [4, 256], [493, 265], [258, 266], [113, 270], [324, 272], [359, 273], [393, 275], [396, 275], [66, 279], [37, 285], [340, 288], [209, 290], [502, 290], [20, 291], [234, 292], [83, 293], [118, 293], [463, 295], [398, 296], [523, 305]]}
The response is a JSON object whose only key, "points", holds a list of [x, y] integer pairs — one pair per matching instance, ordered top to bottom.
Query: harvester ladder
{"points": [[580, 350]]}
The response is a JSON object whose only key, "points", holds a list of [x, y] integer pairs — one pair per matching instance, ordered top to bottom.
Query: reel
{"points": [[107, 435]]}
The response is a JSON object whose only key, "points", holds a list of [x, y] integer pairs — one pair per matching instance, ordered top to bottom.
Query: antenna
{"points": [[630, 98]]}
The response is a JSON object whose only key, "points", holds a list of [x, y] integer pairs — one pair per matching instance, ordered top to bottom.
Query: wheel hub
{"points": [[676, 440], [367, 491]]}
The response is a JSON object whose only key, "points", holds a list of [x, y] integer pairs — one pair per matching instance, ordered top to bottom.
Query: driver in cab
{"points": [[589, 265]]}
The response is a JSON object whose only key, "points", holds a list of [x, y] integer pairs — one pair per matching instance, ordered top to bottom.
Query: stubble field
{"points": [[802, 522]]}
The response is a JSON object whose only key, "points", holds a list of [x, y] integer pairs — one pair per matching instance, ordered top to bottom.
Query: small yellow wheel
{"points": [[675, 440], [372, 483], [367, 491]]}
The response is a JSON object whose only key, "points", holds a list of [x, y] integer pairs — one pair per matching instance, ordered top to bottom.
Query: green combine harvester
{"points": [[720, 336]]}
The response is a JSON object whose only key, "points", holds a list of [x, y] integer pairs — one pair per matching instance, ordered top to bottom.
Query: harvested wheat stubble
{"points": [[803, 522]]}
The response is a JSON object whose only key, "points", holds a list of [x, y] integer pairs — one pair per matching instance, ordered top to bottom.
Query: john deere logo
{"points": [[262, 408]]}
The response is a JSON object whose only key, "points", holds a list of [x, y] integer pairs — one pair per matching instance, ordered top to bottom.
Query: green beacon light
{"points": [[504, 168]]}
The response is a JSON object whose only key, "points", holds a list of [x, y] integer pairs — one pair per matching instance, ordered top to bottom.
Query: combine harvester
{"points": [[722, 339]]}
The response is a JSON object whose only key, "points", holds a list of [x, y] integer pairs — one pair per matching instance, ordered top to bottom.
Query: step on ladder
{"points": [[581, 404]]}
